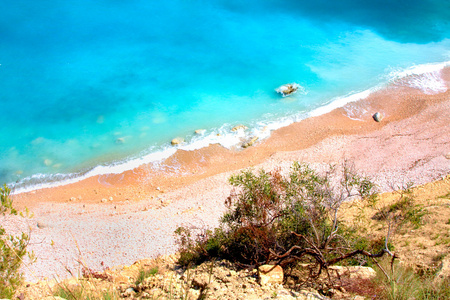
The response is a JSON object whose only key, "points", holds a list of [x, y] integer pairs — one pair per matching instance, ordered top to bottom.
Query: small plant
{"points": [[446, 196], [403, 211], [13, 250], [145, 273], [399, 282], [403, 283], [85, 290], [435, 290]]}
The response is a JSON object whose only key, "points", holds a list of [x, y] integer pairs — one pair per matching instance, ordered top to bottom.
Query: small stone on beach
{"points": [[378, 117], [447, 156], [41, 224]]}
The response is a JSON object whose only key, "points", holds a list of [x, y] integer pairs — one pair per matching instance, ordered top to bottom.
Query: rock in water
{"points": [[288, 89], [377, 117], [239, 127], [200, 131], [177, 141], [250, 143], [48, 162], [270, 274]]}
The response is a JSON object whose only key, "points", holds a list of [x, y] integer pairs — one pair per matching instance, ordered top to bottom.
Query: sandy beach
{"points": [[112, 220]]}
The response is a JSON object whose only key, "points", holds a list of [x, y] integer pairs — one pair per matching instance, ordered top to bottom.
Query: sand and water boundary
{"points": [[109, 220]]}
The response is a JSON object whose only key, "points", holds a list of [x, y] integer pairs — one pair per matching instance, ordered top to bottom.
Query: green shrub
{"points": [[273, 218], [12, 250]]}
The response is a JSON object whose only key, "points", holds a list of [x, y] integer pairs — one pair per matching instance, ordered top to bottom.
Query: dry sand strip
{"points": [[412, 143]]}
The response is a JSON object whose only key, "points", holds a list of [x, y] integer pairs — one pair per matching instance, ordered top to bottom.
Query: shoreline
{"points": [[416, 76], [187, 166], [113, 220]]}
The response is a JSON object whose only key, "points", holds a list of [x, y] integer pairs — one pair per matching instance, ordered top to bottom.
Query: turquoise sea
{"points": [[92, 87]]}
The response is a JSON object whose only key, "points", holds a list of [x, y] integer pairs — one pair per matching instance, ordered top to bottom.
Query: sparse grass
{"points": [[446, 196], [403, 211], [415, 216], [436, 236], [439, 257], [145, 273], [404, 283], [435, 290], [81, 292]]}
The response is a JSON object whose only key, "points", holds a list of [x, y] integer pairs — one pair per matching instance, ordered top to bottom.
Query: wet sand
{"points": [[116, 219]]}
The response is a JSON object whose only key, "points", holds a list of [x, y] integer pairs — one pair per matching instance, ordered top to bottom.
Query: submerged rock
{"points": [[288, 89], [239, 127], [200, 131], [120, 140], [177, 141], [48, 162]]}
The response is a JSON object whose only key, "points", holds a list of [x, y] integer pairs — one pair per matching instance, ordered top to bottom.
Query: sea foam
{"points": [[426, 77]]}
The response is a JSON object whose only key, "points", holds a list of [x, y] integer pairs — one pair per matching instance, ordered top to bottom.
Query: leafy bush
{"points": [[279, 219], [12, 250]]}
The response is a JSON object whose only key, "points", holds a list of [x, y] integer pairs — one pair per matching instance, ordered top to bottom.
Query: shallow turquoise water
{"points": [[87, 84]]}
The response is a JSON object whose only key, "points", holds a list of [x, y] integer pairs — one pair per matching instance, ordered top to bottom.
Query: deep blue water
{"points": [[86, 84]]}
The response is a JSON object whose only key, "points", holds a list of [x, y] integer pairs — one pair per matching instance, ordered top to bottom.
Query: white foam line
{"points": [[419, 70], [426, 78], [341, 101], [224, 137]]}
